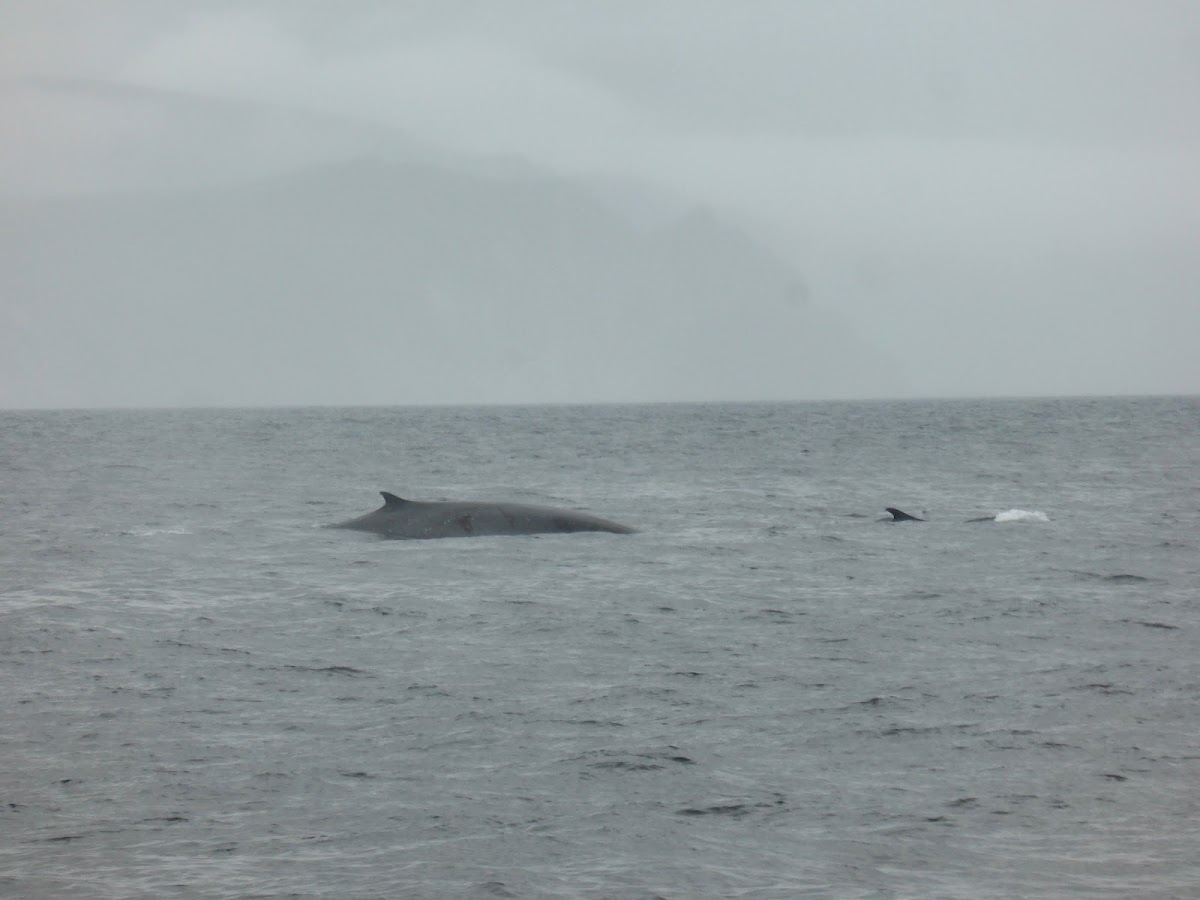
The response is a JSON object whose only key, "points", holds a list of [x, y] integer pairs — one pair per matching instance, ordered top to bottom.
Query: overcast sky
{"points": [[1005, 195]]}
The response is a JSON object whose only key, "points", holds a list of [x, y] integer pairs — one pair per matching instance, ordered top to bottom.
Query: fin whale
{"points": [[1012, 515], [415, 520]]}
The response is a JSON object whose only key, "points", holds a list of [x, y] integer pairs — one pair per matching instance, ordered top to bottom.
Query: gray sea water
{"points": [[767, 692]]}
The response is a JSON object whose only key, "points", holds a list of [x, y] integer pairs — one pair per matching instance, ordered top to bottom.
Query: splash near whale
{"points": [[1015, 515], [416, 520]]}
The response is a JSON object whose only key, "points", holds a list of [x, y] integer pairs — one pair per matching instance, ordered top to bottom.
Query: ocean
{"points": [[769, 691]]}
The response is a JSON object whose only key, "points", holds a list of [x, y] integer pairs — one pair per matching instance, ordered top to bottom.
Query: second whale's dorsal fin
{"points": [[392, 499], [899, 515]]}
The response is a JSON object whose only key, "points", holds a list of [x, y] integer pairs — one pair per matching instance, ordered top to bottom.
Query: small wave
{"points": [[1021, 515], [151, 532], [1119, 578], [1162, 625], [349, 671], [733, 808]]}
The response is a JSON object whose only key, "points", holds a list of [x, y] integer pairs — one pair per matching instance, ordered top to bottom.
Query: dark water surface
{"points": [[767, 692]]}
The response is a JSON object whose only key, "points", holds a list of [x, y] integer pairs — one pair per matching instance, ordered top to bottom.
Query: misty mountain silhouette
{"points": [[410, 281]]}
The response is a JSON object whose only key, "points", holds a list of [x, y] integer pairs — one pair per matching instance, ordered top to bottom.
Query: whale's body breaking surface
{"points": [[1010, 515], [416, 520]]}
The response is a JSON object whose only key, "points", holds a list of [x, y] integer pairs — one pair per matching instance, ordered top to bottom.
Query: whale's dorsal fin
{"points": [[392, 499], [899, 515]]}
